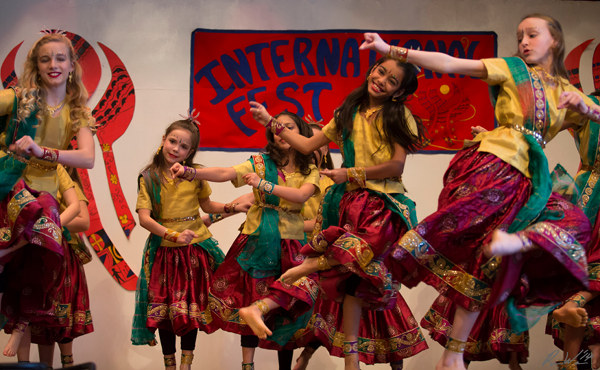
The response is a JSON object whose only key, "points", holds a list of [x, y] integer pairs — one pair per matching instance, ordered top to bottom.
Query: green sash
{"points": [[11, 169], [397, 203], [261, 256], [140, 335]]}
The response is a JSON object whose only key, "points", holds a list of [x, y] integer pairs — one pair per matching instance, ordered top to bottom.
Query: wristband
{"points": [[398, 52], [49, 154], [189, 173], [357, 175], [266, 186], [171, 235]]}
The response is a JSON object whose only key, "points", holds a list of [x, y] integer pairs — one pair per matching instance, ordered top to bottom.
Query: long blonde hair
{"points": [[31, 94]]}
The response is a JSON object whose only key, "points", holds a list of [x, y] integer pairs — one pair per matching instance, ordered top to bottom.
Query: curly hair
{"points": [[32, 94], [395, 125], [280, 157]]}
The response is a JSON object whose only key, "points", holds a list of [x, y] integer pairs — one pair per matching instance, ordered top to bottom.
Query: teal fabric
{"points": [[11, 169], [261, 256], [523, 318]]}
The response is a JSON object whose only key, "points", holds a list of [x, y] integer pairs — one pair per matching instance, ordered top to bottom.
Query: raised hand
{"points": [[374, 42], [259, 113]]}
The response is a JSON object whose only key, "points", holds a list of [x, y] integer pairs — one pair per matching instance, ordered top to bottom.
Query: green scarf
{"points": [[11, 169], [261, 256], [140, 334]]}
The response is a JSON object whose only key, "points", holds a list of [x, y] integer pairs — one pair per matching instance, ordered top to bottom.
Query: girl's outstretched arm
{"points": [[435, 61], [305, 145], [392, 168], [213, 174], [296, 195], [209, 206]]}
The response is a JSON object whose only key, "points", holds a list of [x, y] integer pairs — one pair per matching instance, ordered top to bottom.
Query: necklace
{"points": [[551, 80], [52, 109], [371, 111], [287, 174]]}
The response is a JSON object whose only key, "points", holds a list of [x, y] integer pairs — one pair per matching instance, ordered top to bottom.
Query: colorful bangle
{"points": [[399, 52], [593, 114], [270, 123], [276, 126], [49, 154], [189, 173], [357, 175], [266, 186], [230, 207], [214, 217], [171, 235], [527, 244], [323, 263], [578, 299], [262, 306], [455, 345], [350, 347]]}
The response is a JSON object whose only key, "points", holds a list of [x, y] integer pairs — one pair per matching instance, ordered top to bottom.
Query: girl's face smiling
{"points": [[54, 64], [384, 81], [288, 122], [177, 146]]}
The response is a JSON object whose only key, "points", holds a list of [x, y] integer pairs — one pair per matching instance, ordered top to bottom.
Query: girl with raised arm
{"points": [[45, 111], [497, 197], [367, 206], [269, 244]]}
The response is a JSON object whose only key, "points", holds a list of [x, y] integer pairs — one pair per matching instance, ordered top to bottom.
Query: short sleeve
{"points": [[497, 71], [330, 131], [241, 170], [314, 178], [64, 180], [205, 190], [80, 194], [143, 201]]}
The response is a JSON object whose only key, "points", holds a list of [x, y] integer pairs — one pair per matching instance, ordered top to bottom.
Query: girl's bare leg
{"points": [[351, 311], [253, 316], [463, 323], [15, 339], [24, 346], [46, 352], [66, 354]]}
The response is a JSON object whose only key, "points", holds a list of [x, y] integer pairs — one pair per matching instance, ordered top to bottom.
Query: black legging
{"points": [[167, 341], [284, 356]]}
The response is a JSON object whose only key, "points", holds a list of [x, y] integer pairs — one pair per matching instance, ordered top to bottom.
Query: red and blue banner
{"points": [[311, 72]]}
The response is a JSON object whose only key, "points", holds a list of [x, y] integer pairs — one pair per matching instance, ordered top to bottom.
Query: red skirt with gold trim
{"points": [[482, 193], [361, 243], [34, 272], [233, 288], [178, 290], [73, 316]]}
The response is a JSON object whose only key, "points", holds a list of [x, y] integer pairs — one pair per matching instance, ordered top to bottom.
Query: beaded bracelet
{"points": [[399, 53], [49, 154], [189, 173], [357, 175], [229, 207], [214, 217], [171, 235], [578, 299]]}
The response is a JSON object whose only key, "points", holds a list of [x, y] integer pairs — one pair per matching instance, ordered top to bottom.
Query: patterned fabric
{"points": [[36, 270], [233, 288]]}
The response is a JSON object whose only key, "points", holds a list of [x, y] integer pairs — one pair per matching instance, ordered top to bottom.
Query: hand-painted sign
{"points": [[311, 72]]}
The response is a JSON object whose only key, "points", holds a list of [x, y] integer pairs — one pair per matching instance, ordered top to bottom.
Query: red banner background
{"points": [[311, 72]]}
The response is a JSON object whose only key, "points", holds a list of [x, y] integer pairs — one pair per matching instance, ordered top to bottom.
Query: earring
{"points": [[70, 77], [159, 150], [325, 159]]}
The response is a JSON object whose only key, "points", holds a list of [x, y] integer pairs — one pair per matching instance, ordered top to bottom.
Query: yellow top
{"points": [[52, 132], [509, 144], [370, 149], [64, 183], [178, 199], [311, 206], [291, 223]]}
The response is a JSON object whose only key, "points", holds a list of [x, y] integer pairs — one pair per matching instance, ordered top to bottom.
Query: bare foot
{"points": [[503, 244], [292, 275], [571, 315], [253, 317], [13, 343], [595, 348], [302, 361], [451, 361], [351, 362]]}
